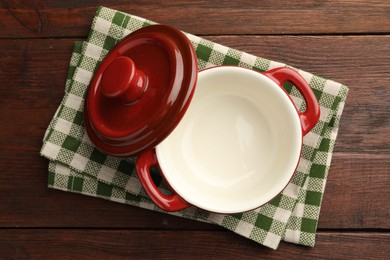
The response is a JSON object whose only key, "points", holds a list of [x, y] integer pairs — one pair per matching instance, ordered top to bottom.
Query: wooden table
{"points": [[347, 41]]}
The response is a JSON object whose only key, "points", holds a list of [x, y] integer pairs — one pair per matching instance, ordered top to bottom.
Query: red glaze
{"points": [[122, 80], [141, 91], [311, 115], [168, 203]]}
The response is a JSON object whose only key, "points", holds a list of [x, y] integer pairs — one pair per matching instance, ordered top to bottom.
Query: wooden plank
{"points": [[73, 18], [36, 70], [33, 72], [32, 77], [356, 193], [351, 197], [30, 203], [155, 244]]}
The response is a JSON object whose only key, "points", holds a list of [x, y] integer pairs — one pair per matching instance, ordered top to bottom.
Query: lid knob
{"points": [[121, 79]]}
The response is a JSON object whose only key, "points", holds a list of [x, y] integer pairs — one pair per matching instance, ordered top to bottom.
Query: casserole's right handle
{"points": [[311, 115], [171, 202]]}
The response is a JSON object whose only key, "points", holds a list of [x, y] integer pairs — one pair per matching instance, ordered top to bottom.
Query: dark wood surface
{"points": [[347, 41]]}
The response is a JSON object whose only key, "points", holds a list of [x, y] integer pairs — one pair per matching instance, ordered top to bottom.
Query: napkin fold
{"points": [[75, 165]]}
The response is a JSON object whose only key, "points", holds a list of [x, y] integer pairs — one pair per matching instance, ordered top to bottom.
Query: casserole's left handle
{"points": [[171, 202]]}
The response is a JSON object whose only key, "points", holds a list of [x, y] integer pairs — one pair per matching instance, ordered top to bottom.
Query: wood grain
{"points": [[73, 18], [345, 40], [35, 71], [37, 83], [356, 193], [351, 198], [150, 244]]}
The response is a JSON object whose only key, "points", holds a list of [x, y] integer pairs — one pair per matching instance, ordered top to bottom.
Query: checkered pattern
{"points": [[77, 166]]}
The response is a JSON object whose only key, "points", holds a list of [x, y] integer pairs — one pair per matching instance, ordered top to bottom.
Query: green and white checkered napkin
{"points": [[77, 166]]}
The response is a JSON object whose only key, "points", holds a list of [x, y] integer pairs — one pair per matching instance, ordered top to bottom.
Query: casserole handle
{"points": [[311, 115], [171, 202]]}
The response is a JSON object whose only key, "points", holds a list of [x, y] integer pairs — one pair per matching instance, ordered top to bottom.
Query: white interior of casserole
{"points": [[238, 144]]}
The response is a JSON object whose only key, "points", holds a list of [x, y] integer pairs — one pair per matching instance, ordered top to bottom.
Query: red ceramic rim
{"points": [[177, 162]]}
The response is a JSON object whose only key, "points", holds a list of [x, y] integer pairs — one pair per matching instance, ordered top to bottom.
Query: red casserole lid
{"points": [[140, 91]]}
